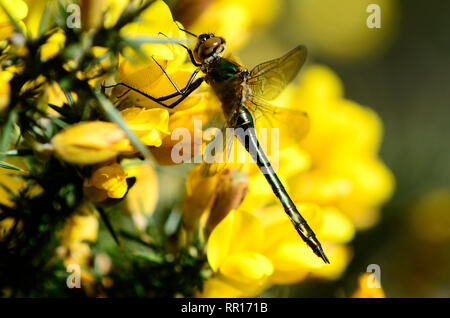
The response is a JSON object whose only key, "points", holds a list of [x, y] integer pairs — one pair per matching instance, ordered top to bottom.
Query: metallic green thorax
{"points": [[223, 69]]}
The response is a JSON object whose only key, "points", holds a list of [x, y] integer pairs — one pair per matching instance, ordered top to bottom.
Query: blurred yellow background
{"points": [[401, 71]]}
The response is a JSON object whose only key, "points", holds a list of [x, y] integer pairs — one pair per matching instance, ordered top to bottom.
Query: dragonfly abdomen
{"points": [[245, 133]]}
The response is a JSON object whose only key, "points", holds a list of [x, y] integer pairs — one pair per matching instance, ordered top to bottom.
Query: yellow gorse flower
{"points": [[18, 9], [235, 19], [53, 45], [145, 74], [5, 89], [150, 125], [90, 142], [94, 142], [343, 144], [334, 174], [106, 181], [142, 197], [335, 199], [5, 227], [79, 231], [235, 253], [367, 288]]}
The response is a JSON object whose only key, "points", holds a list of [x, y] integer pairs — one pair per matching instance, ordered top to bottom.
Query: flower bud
{"points": [[89, 143]]}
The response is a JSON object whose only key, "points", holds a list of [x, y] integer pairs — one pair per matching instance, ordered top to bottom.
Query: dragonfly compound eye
{"points": [[209, 48]]}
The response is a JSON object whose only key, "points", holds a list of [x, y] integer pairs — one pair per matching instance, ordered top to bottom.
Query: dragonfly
{"points": [[243, 94]]}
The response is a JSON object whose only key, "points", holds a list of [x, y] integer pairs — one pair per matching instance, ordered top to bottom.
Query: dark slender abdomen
{"points": [[247, 136]]}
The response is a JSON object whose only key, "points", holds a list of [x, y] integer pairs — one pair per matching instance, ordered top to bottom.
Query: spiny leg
{"points": [[186, 31], [191, 55], [180, 92], [186, 92], [163, 98]]}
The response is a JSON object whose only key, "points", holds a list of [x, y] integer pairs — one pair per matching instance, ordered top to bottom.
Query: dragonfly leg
{"points": [[191, 55], [168, 76], [179, 92], [185, 92], [163, 98]]}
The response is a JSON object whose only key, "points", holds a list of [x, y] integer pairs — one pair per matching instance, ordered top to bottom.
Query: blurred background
{"points": [[402, 71]]}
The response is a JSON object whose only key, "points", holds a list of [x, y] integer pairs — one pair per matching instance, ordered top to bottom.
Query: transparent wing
{"points": [[268, 79], [292, 124], [290, 127], [217, 153]]}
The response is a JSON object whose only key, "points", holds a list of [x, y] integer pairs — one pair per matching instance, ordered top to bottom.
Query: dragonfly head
{"points": [[208, 47]]}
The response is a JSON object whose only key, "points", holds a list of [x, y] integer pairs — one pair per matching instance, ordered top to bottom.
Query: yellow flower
{"points": [[18, 9], [113, 9], [35, 11], [234, 19], [53, 45], [145, 74], [5, 89], [56, 96], [184, 119], [150, 125], [90, 142], [94, 142], [343, 143], [335, 178], [107, 181], [14, 183], [199, 192], [218, 195], [142, 198], [5, 226], [80, 228], [78, 232], [268, 237], [235, 255], [291, 257], [367, 288]]}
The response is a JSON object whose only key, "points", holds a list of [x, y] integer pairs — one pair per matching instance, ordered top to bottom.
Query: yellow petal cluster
{"points": [[18, 9], [235, 19], [53, 45], [146, 76], [5, 89], [150, 125], [97, 141], [90, 142], [343, 144], [336, 180], [107, 181], [142, 197], [78, 232], [235, 254], [367, 288]]}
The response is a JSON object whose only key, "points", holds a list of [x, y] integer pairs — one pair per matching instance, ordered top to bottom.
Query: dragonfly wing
{"points": [[268, 79], [293, 124], [216, 156]]}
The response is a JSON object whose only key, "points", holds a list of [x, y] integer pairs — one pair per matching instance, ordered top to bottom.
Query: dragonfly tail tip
{"points": [[317, 248], [323, 256]]}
